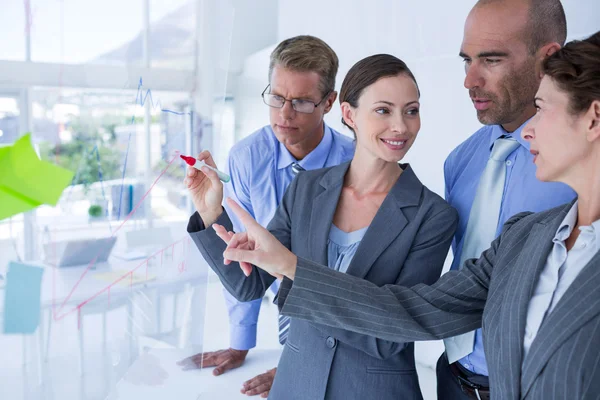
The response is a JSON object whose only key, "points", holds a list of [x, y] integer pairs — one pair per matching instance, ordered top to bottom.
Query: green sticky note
{"points": [[26, 181], [22, 298]]}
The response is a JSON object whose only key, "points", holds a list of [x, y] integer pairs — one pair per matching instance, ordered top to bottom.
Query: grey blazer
{"points": [[406, 243], [491, 292]]}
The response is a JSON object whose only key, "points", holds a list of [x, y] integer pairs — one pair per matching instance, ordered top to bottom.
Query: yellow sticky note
{"points": [[26, 181]]}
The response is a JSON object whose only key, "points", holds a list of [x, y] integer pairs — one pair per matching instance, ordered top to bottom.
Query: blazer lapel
{"points": [[323, 209], [388, 223], [528, 267], [579, 304]]}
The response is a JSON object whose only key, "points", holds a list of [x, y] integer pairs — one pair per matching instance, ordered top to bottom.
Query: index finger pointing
{"points": [[242, 214]]}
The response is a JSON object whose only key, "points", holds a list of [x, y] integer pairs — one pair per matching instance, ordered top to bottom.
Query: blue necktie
{"points": [[482, 226], [284, 322]]}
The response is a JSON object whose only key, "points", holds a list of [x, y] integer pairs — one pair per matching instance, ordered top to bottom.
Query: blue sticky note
{"points": [[22, 298]]}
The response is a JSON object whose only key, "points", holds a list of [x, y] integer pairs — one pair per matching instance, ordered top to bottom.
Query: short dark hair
{"points": [[546, 23], [307, 53], [576, 70], [368, 71]]}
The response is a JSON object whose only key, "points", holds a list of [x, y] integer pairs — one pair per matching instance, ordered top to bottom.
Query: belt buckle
{"points": [[472, 386]]}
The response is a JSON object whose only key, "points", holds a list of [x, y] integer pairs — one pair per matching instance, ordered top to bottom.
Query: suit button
{"points": [[330, 342]]}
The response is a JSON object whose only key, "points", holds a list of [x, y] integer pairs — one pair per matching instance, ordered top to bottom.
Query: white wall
{"points": [[425, 34], [250, 111]]}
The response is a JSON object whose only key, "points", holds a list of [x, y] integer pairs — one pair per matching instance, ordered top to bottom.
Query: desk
{"points": [[74, 285], [71, 292], [156, 376]]}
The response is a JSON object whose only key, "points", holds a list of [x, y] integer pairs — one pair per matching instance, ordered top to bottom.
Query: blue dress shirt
{"points": [[260, 169], [522, 192]]}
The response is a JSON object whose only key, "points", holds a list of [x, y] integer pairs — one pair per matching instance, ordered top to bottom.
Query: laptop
{"points": [[145, 242], [78, 252]]}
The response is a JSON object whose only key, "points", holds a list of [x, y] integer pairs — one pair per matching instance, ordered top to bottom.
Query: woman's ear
{"points": [[348, 115], [592, 121]]}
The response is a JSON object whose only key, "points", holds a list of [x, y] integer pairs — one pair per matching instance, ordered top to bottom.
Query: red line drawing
{"points": [[93, 262], [181, 267], [107, 288], [57, 315]]}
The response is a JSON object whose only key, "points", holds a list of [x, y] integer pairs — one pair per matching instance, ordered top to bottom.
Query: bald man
{"points": [[504, 44]]}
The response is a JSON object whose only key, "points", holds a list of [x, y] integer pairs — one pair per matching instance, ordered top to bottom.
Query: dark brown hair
{"points": [[307, 54], [576, 70], [368, 71]]}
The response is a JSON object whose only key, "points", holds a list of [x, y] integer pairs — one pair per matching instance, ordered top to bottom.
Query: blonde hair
{"points": [[307, 54]]}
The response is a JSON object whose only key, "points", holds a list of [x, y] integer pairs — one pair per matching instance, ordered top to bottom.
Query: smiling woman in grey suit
{"points": [[370, 218], [535, 291]]}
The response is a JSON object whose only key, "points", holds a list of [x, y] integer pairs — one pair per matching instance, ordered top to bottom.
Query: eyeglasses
{"points": [[300, 105]]}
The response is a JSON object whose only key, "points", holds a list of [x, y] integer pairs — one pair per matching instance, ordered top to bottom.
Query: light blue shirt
{"points": [[260, 169], [522, 192], [342, 246], [560, 271]]}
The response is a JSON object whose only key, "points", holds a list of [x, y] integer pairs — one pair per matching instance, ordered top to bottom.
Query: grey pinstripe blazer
{"points": [[406, 243], [492, 292]]}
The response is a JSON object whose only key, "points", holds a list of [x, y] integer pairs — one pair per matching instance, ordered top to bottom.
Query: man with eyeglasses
{"points": [[300, 92]]}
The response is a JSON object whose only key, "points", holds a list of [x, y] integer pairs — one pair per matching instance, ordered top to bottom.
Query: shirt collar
{"points": [[498, 131], [313, 160], [566, 226], [596, 228]]}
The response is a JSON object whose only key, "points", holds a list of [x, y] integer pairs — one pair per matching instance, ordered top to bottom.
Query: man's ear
{"points": [[543, 53], [330, 101]]}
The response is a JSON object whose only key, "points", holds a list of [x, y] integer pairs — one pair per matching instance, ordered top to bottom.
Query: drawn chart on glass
{"points": [[102, 293]]}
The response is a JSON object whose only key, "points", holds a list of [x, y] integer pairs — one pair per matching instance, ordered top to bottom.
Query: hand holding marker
{"points": [[191, 161]]}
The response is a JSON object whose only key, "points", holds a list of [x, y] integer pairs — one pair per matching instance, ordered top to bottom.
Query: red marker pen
{"points": [[191, 161]]}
